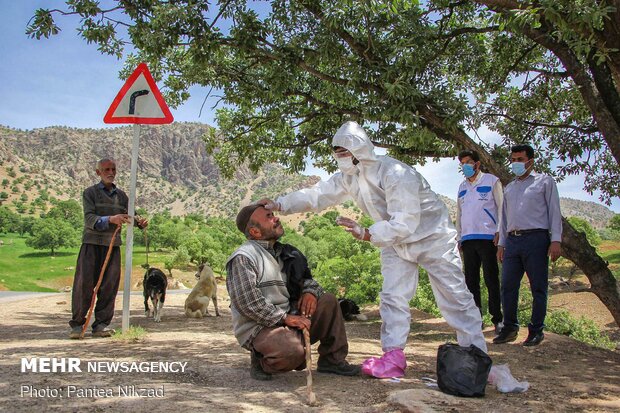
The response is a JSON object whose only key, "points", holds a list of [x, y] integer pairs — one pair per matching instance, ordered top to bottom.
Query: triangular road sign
{"points": [[139, 101]]}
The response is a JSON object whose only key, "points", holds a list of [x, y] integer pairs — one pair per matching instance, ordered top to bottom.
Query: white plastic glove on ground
{"points": [[502, 379]]}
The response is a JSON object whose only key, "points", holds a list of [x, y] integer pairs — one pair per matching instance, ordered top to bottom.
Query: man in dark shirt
{"points": [[105, 207], [265, 319]]}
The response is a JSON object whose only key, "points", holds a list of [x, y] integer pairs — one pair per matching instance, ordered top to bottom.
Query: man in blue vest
{"points": [[478, 208]]}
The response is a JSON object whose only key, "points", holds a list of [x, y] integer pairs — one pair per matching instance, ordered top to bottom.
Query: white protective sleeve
{"points": [[316, 198]]}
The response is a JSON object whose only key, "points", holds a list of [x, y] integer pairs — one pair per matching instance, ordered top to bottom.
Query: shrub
{"points": [[582, 225], [51, 234], [609, 234], [357, 278], [424, 299], [561, 322], [581, 329]]}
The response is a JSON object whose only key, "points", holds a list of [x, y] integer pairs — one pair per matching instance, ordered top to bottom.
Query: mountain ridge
{"points": [[175, 172]]}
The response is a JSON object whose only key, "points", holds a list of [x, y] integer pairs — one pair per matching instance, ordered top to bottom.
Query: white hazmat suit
{"points": [[412, 228]]}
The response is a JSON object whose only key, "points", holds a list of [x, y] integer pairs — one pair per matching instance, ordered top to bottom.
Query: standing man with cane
{"points": [[105, 207]]}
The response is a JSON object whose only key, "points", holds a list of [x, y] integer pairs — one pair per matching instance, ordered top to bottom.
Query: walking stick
{"points": [[146, 242], [96, 289], [311, 395]]}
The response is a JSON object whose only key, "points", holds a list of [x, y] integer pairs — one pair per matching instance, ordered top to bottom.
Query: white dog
{"points": [[204, 290]]}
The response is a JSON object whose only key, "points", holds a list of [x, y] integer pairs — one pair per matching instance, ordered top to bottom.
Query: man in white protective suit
{"points": [[412, 228]]}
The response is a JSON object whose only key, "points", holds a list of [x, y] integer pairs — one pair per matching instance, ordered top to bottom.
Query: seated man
{"points": [[267, 319]]}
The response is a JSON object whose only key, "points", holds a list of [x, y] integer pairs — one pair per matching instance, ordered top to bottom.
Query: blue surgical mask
{"points": [[518, 168], [468, 170]]}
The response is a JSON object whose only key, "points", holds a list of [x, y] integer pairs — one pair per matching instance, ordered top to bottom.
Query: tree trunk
{"points": [[595, 83], [576, 248]]}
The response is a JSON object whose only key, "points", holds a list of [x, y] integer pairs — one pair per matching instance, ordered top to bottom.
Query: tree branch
{"points": [[467, 30], [581, 129]]}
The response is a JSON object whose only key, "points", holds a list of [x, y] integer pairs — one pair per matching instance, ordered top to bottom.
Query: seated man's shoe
{"points": [[103, 332], [75, 333], [506, 336], [534, 339], [391, 364], [343, 368], [256, 370]]}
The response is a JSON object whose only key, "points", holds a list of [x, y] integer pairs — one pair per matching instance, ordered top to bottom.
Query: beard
{"points": [[272, 233]]}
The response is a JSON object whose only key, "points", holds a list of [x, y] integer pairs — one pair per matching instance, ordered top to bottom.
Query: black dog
{"points": [[155, 284], [350, 310]]}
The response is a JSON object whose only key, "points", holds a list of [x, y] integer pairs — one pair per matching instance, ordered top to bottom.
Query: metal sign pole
{"points": [[139, 102], [129, 237]]}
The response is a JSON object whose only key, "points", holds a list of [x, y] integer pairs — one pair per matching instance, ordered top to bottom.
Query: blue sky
{"points": [[64, 81]]}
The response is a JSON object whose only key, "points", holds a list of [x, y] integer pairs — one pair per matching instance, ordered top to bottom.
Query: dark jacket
{"points": [[295, 265]]}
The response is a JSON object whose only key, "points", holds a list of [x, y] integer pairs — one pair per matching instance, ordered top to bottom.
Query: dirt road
{"points": [[564, 375]]}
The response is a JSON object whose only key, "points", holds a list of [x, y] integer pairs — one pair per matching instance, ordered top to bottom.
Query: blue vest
{"points": [[478, 210]]}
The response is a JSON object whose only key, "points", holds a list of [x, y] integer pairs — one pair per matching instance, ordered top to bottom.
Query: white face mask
{"points": [[346, 165]]}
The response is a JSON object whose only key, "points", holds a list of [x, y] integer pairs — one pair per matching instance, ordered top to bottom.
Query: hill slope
{"points": [[174, 170]]}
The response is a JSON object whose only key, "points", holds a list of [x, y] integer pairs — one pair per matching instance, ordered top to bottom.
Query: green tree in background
{"points": [[423, 77], [70, 211], [9, 220], [614, 222], [26, 225], [582, 225], [52, 234], [209, 240], [179, 260], [341, 264]]}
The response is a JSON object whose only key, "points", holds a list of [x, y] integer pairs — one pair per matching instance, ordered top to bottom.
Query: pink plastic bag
{"points": [[391, 364]]}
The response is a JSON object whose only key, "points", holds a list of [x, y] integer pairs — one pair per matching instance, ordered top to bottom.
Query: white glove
{"points": [[270, 204], [351, 226]]}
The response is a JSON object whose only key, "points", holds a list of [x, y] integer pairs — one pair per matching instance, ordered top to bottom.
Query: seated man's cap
{"points": [[243, 217]]}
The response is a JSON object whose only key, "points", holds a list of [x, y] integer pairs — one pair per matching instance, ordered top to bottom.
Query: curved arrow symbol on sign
{"points": [[132, 99]]}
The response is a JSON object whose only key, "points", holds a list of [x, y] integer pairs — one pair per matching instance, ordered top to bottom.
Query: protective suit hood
{"points": [[353, 137]]}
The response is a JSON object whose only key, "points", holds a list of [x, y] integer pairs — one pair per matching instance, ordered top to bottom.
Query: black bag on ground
{"points": [[462, 371]]}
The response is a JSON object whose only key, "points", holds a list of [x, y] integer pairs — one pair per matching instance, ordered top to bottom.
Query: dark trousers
{"points": [[477, 252], [528, 253], [89, 264], [281, 349]]}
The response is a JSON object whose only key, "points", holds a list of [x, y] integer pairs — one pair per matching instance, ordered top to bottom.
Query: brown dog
{"points": [[205, 289]]}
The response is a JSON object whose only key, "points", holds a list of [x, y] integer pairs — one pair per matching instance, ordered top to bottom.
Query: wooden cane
{"points": [[146, 243], [96, 289], [311, 395]]}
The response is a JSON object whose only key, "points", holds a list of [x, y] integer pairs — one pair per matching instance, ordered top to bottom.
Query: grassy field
{"points": [[610, 251], [25, 269]]}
